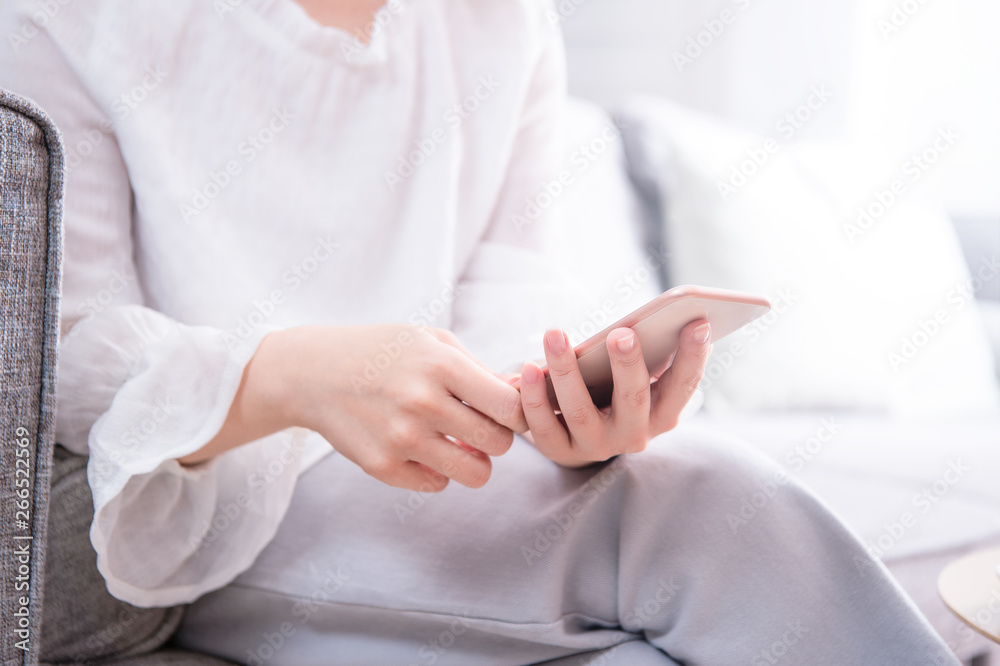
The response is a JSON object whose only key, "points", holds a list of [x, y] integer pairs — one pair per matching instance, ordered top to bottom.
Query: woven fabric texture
{"points": [[31, 187]]}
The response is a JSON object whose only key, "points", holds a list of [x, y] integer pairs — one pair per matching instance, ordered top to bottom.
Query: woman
{"points": [[256, 198]]}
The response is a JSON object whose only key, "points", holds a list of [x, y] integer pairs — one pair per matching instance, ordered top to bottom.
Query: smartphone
{"points": [[658, 325]]}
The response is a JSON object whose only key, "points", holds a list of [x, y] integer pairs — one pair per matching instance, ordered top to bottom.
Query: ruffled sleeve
{"points": [[138, 389]]}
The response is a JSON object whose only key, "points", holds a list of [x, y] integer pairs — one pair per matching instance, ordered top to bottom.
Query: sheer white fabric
{"points": [[231, 171]]}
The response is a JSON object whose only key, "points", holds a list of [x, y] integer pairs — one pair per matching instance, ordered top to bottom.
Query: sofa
{"points": [[56, 609]]}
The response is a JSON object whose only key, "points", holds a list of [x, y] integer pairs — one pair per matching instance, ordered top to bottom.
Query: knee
{"points": [[697, 458], [722, 479]]}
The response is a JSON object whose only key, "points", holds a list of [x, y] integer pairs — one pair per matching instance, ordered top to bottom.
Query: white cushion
{"points": [[855, 302], [905, 487]]}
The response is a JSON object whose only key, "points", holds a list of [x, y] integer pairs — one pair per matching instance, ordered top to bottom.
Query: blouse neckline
{"points": [[291, 19]]}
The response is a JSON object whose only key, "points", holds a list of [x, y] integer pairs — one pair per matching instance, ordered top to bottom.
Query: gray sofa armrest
{"points": [[31, 189], [79, 621]]}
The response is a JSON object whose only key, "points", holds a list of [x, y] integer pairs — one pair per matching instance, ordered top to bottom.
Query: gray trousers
{"points": [[697, 551]]}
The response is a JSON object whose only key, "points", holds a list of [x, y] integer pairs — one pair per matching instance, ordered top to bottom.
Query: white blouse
{"points": [[235, 168]]}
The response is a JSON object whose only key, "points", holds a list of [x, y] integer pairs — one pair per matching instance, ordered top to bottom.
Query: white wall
{"points": [[942, 67]]}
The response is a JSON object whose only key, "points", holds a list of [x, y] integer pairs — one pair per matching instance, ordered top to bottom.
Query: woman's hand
{"points": [[391, 398], [582, 433]]}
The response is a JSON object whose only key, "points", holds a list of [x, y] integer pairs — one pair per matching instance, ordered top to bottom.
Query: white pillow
{"points": [[853, 303]]}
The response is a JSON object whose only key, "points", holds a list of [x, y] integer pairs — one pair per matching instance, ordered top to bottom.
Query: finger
{"points": [[450, 339], [658, 370], [511, 378], [676, 386], [483, 391], [631, 395], [577, 407], [482, 433], [548, 433], [463, 445], [466, 466], [411, 476]]}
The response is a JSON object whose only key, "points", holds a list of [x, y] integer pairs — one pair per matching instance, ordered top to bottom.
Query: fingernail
{"points": [[702, 333], [556, 341], [626, 342], [531, 374]]}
